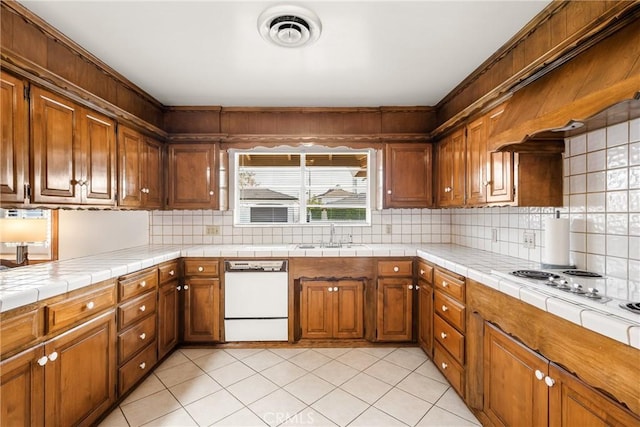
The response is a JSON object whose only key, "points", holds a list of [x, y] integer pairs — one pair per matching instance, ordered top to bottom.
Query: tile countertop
{"points": [[25, 285]]}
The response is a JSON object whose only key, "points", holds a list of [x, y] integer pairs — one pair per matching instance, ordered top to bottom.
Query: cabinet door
{"points": [[14, 146], [98, 152], [55, 155], [130, 158], [476, 167], [451, 169], [445, 171], [152, 172], [408, 172], [192, 176], [500, 177], [394, 305], [348, 309], [202, 310], [168, 315], [425, 317], [316, 318], [80, 374], [22, 389], [513, 395], [574, 403]]}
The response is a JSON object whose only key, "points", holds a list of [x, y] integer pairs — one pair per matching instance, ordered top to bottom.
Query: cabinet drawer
{"points": [[200, 267], [395, 268], [168, 271], [425, 272], [137, 283], [449, 283], [136, 309], [449, 310], [71, 311], [20, 330], [136, 337], [451, 340], [136, 368], [449, 368]]}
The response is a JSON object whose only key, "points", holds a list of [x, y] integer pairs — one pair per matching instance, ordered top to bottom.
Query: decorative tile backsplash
{"points": [[601, 200]]}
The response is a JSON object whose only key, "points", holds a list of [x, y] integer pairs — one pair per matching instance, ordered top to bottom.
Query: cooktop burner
{"points": [[581, 273], [535, 274], [633, 307]]}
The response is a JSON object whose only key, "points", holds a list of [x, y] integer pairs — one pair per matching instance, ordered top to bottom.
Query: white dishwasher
{"points": [[256, 300]]}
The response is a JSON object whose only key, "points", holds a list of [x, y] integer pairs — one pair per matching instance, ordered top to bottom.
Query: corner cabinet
{"points": [[14, 147], [408, 175], [192, 180], [140, 183], [395, 290], [332, 308]]}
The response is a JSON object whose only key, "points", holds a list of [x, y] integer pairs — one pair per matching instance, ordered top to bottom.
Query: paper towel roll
{"points": [[556, 242]]}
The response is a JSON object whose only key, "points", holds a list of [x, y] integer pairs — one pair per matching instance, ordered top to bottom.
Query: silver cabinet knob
{"points": [[90, 305], [142, 308], [445, 308], [443, 335], [143, 336], [53, 356], [43, 360], [143, 365], [539, 374], [549, 381]]}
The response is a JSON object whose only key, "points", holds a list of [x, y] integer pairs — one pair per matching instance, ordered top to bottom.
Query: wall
{"points": [[83, 233]]}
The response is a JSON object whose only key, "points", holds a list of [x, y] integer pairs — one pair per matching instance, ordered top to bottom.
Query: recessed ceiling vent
{"points": [[289, 26]]}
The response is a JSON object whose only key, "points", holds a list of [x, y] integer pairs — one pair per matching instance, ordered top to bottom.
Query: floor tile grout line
{"points": [[445, 409]]}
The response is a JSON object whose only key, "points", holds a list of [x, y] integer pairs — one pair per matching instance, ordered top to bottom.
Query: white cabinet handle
{"points": [[388, 191], [211, 193], [201, 269], [396, 269], [422, 272], [171, 273], [143, 283], [444, 284], [410, 286], [179, 287], [186, 287], [417, 287], [330, 289], [335, 289], [90, 305], [143, 308], [444, 308], [443, 335], [143, 336], [53, 356], [43, 360], [143, 365], [444, 365], [539, 374], [549, 381]]}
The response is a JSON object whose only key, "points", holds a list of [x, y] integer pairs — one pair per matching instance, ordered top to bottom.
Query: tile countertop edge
{"points": [[479, 269]]}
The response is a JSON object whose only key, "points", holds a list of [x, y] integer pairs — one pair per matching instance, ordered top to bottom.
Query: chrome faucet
{"points": [[332, 234]]}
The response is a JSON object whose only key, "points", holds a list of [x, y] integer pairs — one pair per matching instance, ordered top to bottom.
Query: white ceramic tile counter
{"points": [[30, 284]]}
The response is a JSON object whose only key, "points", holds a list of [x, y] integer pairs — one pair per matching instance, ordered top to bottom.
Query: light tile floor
{"points": [[377, 386]]}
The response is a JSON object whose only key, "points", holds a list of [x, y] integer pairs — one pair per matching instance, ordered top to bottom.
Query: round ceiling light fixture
{"points": [[289, 26]]}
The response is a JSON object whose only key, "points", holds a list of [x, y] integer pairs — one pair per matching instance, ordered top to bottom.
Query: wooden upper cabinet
{"points": [[14, 147], [73, 152], [476, 162], [451, 169], [140, 170], [499, 172], [408, 175], [192, 176]]}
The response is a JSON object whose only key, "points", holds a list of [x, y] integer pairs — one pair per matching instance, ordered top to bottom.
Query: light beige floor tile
{"points": [[416, 351], [333, 352], [378, 352], [196, 353], [241, 353], [287, 353], [176, 358], [357, 359], [405, 359], [214, 360], [263, 360], [309, 360], [428, 369], [335, 372], [387, 372], [231, 373], [283, 373], [178, 374], [149, 386], [366, 387], [423, 387], [252, 388], [309, 388], [194, 389], [450, 401], [403, 406], [213, 407], [277, 407], [340, 407], [149, 408], [308, 417], [374, 417], [176, 418], [243, 418], [441, 418], [114, 419]]}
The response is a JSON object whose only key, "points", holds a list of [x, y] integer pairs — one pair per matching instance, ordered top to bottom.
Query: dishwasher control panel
{"points": [[255, 265]]}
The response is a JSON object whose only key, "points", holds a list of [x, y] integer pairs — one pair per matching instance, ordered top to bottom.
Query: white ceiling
{"points": [[370, 53]]}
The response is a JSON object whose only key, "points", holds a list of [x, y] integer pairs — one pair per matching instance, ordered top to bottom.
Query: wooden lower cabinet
{"points": [[332, 309], [395, 309], [202, 310], [168, 317], [425, 317], [522, 388], [22, 389]]}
